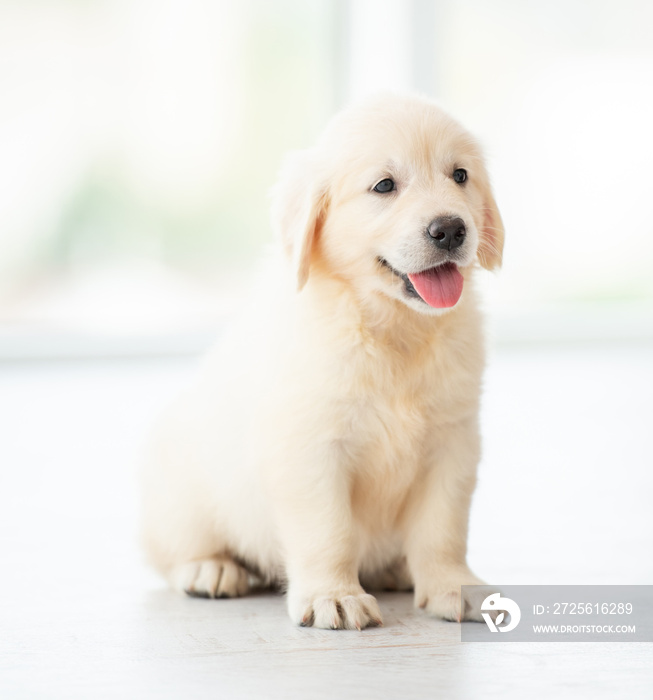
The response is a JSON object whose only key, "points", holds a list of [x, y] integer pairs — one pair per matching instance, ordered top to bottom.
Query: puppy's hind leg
{"points": [[216, 577]]}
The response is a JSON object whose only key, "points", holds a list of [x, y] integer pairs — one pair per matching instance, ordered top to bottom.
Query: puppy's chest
{"points": [[391, 408], [396, 417], [388, 423], [388, 436]]}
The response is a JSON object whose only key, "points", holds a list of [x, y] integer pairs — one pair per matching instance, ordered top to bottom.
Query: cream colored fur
{"points": [[332, 436]]}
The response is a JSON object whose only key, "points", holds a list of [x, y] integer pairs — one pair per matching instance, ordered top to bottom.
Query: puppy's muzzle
{"points": [[447, 232]]}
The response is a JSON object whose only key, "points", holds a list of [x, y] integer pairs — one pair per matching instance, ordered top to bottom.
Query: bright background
{"points": [[139, 140]]}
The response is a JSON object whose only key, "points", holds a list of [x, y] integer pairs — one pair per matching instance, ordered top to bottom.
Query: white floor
{"points": [[564, 497]]}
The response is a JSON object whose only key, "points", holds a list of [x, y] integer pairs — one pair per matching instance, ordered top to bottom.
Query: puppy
{"points": [[331, 441]]}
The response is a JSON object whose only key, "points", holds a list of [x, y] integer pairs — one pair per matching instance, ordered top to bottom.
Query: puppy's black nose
{"points": [[447, 232]]}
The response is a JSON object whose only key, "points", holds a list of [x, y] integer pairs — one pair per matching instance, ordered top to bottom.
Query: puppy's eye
{"points": [[460, 175], [386, 185]]}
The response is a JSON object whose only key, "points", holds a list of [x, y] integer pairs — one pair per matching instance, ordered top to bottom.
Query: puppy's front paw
{"points": [[444, 598], [335, 612]]}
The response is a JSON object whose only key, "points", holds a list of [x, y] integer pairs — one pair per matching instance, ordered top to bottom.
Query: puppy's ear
{"points": [[299, 207], [490, 247]]}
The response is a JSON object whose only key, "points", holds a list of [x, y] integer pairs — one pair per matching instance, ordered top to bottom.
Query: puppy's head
{"points": [[394, 199]]}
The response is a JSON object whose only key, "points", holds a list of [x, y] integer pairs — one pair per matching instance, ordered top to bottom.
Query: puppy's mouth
{"points": [[440, 287]]}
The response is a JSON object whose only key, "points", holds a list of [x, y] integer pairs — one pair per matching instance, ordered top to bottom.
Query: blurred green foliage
{"points": [[285, 62]]}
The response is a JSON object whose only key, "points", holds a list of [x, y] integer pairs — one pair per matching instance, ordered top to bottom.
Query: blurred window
{"points": [[139, 140]]}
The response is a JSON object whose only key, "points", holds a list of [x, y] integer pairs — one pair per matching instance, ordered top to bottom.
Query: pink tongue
{"points": [[440, 287]]}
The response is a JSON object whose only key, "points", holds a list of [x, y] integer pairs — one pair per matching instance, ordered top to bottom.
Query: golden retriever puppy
{"points": [[331, 440]]}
